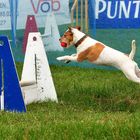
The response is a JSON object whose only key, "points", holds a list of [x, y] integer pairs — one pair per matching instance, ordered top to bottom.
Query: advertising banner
{"points": [[39, 8], [116, 13]]}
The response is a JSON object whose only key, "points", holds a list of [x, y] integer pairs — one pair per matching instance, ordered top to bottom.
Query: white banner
{"points": [[39, 8]]}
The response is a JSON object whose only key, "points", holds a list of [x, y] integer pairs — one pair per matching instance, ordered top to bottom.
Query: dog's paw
{"points": [[60, 58], [67, 61]]}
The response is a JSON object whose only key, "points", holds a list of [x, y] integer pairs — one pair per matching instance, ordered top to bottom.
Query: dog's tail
{"points": [[133, 50]]}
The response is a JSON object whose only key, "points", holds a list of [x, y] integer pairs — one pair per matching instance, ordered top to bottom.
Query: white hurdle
{"points": [[51, 34], [36, 80], [2, 86]]}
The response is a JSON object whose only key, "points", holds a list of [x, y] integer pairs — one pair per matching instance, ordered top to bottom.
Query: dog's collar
{"points": [[80, 41]]}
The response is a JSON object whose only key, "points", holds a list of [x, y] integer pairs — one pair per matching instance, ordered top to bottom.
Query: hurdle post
{"points": [[72, 11], [83, 14], [86, 15], [77, 17]]}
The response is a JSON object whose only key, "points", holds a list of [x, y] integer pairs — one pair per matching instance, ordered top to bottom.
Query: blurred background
{"points": [[115, 23]]}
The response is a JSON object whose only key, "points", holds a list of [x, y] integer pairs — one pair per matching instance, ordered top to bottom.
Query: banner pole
{"points": [[82, 14]]}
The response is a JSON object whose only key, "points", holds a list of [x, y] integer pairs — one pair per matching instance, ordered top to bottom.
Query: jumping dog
{"points": [[98, 53]]}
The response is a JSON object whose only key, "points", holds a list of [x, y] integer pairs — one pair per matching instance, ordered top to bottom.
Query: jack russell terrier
{"points": [[98, 53]]}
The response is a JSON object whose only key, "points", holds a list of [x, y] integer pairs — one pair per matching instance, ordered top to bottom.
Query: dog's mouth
{"points": [[63, 44]]}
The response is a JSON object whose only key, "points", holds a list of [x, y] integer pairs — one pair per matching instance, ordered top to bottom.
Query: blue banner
{"points": [[116, 13]]}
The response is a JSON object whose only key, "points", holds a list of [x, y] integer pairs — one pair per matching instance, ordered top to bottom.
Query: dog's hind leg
{"points": [[137, 70], [130, 73]]}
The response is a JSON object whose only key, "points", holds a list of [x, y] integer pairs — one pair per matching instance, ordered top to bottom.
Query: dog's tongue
{"points": [[63, 44]]}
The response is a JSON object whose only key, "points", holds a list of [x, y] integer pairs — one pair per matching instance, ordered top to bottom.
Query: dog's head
{"points": [[67, 39]]}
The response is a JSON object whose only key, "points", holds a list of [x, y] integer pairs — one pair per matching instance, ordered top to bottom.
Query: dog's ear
{"points": [[78, 27], [69, 28]]}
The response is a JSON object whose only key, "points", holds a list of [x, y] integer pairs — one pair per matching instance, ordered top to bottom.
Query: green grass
{"points": [[93, 105]]}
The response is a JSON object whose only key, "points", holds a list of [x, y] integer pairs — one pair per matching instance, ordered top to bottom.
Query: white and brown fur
{"points": [[99, 53]]}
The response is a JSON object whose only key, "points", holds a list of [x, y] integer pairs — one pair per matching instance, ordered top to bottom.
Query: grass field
{"points": [[93, 105]]}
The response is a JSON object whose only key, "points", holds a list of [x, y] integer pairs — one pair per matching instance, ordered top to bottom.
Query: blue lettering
{"points": [[2, 5], [45, 7]]}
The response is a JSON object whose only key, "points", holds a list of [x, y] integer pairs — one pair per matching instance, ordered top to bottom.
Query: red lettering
{"points": [[38, 4], [54, 4]]}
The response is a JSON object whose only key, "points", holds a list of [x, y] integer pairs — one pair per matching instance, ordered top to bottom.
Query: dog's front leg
{"points": [[67, 58], [68, 61]]}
